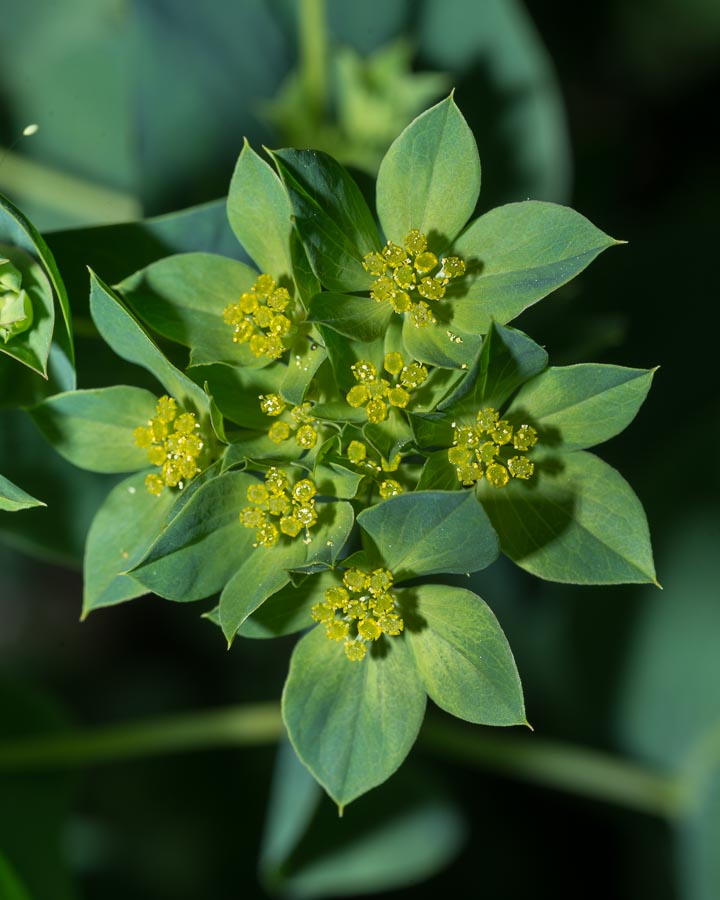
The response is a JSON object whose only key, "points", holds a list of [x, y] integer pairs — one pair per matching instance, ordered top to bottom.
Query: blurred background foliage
{"points": [[142, 108]]}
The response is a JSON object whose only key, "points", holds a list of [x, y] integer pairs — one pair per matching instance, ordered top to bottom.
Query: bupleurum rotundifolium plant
{"points": [[355, 417]]}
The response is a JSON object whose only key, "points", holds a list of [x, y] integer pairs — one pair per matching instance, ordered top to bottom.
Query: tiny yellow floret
{"points": [[404, 273], [259, 318], [173, 445], [480, 450], [293, 506], [360, 612]]}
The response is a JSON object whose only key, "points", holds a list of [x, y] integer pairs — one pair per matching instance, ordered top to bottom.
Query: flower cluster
{"points": [[405, 272], [258, 318], [376, 394], [301, 423], [172, 443], [478, 450], [357, 454], [293, 506], [360, 611]]}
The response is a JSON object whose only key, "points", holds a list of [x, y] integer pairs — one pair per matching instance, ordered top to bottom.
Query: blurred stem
{"points": [[313, 37], [84, 201], [240, 726], [550, 764], [565, 767]]}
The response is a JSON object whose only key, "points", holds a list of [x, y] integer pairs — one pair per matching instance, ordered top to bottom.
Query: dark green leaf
{"points": [[430, 177], [259, 213], [331, 216], [518, 254], [359, 318], [305, 358], [508, 358], [580, 406], [94, 429], [391, 436], [438, 474], [13, 498], [576, 521], [431, 531], [462, 655], [352, 724]]}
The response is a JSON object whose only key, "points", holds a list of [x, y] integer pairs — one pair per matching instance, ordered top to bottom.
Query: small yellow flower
{"points": [[403, 272], [259, 318], [377, 394], [299, 421], [173, 444], [477, 450], [293, 506], [361, 611]]}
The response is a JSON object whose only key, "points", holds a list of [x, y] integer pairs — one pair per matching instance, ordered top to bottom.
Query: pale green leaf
{"points": [[430, 177], [259, 213], [516, 255], [580, 406], [93, 429], [13, 498], [576, 521], [431, 531], [462, 655], [352, 723]]}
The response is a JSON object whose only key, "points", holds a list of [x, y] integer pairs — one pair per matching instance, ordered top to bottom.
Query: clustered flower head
{"points": [[404, 273], [16, 310], [258, 318], [376, 394], [300, 424], [172, 443], [482, 449], [357, 454], [293, 506], [360, 611]]}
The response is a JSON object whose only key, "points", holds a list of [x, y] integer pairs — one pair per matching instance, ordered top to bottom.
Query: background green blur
{"points": [[611, 108]]}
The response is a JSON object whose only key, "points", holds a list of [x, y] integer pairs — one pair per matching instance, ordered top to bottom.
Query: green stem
{"points": [[313, 39], [86, 202], [240, 726], [551, 764]]}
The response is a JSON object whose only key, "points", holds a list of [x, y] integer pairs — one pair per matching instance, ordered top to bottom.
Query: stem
{"points": [[313, 39], [83, 200], [240, 726], [576, 770], [586, 773]]}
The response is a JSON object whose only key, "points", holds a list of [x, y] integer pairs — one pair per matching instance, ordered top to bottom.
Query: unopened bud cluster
{"points": [[406, 273], [16, 310], [258, 318], [377, 394], [300, 423], [172, 443], [482, 450], [292, 507], [360, 611]]}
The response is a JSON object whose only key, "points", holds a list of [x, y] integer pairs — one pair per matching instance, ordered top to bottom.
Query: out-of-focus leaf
{"points": [[13, 498], [393, 838]]}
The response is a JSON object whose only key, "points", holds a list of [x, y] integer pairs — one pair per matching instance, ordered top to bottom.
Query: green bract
{"points": [[348, 420]]}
